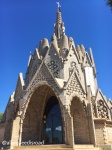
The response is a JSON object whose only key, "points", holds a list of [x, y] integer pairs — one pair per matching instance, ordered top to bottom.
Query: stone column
{"points": [[90, 117], [91, 124], [15, 132], [20, 132], [69, 139]]}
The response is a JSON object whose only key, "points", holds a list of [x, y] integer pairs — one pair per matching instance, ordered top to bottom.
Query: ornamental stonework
{"points": [[53, 66], [75, 68], [42, 75], [74, 86], [102, 110]]}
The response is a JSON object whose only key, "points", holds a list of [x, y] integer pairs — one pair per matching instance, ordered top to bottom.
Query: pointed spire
{"points": [[58, 16], [59, 28]]}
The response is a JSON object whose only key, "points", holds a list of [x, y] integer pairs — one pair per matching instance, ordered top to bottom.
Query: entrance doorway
{"points": [[52, 119]]}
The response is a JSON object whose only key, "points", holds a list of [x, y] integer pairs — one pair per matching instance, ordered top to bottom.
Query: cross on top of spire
{"points": [[59, 6]]}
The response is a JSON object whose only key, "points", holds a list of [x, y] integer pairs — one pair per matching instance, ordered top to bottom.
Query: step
{"points": [[44, 147], [56, 147], [85, 147], [36, 148]]}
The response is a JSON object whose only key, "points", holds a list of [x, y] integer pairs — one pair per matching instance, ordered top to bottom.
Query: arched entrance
{"points": [[43, 119], [80, 122], [53, 129]]}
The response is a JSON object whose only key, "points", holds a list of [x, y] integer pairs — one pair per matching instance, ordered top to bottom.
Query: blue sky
{"points": [[23, 23]]}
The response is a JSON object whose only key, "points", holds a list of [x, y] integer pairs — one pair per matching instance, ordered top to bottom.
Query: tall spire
{"points": [[58, 16], [59, 28]]}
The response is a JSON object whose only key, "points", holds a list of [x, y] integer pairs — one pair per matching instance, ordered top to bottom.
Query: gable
{"points": [[33, 65], [43, 74], [74, 86], [100, 96], [102, 106]]}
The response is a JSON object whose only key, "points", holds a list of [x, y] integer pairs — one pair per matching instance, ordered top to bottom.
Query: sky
{"points": [[23, 23]]}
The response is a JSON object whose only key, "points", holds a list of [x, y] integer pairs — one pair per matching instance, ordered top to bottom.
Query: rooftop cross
{"points": [[58, 5]]}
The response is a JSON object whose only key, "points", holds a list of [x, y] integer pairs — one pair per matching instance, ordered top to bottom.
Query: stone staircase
{"points": [[56, 147]]}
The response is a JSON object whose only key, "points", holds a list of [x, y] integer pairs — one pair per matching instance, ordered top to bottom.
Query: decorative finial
{"points": [[58, 4]]}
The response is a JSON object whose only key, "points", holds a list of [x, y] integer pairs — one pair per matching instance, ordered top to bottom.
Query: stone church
{"points": [[58, 105]]}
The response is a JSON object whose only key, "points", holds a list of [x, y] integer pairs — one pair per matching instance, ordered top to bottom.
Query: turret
{"points": [[54, 41], [70, 42], [43, 47], [64, 47], [79, 53]]}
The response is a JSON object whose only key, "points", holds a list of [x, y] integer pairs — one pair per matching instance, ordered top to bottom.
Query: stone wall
{"points": [[99, 127], [2, 129], [8, 131], [109, 134]]}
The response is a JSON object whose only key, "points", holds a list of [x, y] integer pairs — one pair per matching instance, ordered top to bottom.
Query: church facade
{"points": [[59, 101]]}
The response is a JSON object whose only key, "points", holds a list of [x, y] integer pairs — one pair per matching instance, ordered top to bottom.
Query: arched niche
{"points": [[80, 121]]}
